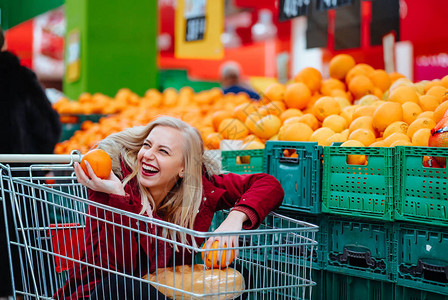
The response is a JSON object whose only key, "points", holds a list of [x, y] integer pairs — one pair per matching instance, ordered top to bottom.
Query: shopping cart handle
{"points": [[39, 158]]}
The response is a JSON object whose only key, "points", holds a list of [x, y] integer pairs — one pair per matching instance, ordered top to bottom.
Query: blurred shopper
{"points": [[231, 81], [28, 125]]}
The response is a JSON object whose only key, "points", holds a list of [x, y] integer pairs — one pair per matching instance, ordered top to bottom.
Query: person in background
{"points": [[231, 80], [28, 125]]}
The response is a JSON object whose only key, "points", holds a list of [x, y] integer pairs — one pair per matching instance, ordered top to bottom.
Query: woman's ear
{"points": [[181, 173]]}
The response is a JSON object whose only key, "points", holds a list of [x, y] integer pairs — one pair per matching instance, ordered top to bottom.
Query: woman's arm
{"points": [[254, 194]]}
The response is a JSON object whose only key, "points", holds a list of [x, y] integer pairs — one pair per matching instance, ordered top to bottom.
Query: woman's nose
{"points": [[150, 154]]}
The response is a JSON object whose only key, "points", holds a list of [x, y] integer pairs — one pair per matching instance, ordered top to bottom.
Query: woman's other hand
{"points": [[110, 185], [233, 223]]}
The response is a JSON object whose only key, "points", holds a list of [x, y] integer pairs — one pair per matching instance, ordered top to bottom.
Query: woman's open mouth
{"points": [[149, 170]]}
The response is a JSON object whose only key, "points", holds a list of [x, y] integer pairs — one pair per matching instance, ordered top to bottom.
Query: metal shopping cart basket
{"points": [[49, 215]]}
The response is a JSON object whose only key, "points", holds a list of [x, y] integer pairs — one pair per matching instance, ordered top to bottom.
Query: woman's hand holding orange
{"points": [[110, 185], [233, 223]]}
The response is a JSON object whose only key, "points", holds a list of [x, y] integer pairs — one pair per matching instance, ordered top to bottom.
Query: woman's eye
{"points": [[145, 144], [164, 151]]}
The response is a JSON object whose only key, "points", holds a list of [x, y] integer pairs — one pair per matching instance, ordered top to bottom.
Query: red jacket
{"points": [[109, 246]]}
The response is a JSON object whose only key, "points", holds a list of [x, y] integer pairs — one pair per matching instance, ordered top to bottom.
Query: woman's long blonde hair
{"points": [[181, 204]]}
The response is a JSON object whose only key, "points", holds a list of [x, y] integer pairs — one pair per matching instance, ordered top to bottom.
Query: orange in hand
{"points": [[100, 162], [211, 261]]}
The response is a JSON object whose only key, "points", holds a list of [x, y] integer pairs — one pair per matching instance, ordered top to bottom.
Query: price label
{"points": [[328, 4], [290, 9], [195, 29]]}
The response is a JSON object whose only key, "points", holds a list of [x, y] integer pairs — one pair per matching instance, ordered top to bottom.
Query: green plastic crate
{"points": [[251, 161], [300, 177], [365, 191], [421, 194], [362, 249], [422, 257], [319, 258], [346, 287], [406, 293]]}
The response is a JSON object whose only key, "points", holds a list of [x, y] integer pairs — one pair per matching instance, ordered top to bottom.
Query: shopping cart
{"points": [[49, 214]]}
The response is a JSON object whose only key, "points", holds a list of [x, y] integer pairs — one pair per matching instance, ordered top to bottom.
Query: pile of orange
{"points": [[356, 104]]}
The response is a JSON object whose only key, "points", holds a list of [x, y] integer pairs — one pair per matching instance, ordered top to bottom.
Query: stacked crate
{"points": [[421, 225]]}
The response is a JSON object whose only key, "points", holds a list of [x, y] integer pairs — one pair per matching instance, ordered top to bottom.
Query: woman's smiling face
{"points": [[161, 160]]}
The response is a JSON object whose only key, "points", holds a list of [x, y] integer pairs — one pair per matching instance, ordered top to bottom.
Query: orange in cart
{"points": [[100, 162], [211, 261]]}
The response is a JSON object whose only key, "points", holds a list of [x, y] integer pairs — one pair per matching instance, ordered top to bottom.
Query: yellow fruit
{"points": [[340, 65], [359, 69], [395, 75], [311, 77], [380, 79], [444, 81], [432, 83], [331, 84], [360, 86], [274, 92], [439, 92], [404, 94], [297, 95], [368, 100], [343, 102], [428, 102], [325, 107], [411, 110], [242, 111], [363, 111], [440, 111], [290, 112], [347, 113], [386, 114], [426, 114], [219, 116], [252, 119], [292, 120], [310, 120], [335, 122], [365, 122], [419, 124], [398, 126], [267, 127], [233, 129], [295, 132], [345, 133], [321, 135], [365, 136], [397, 136], [421, 137], [335, 138], [213, 140], [401, 143], [378, 144], [253, 145], [354, 159]]}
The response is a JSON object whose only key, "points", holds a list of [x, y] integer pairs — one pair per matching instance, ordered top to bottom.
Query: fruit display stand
{"points": [[300, 176], [365, 191], [421, 193]]}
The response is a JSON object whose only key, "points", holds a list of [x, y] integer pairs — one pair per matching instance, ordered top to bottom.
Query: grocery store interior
{"points": [[344, 102]]}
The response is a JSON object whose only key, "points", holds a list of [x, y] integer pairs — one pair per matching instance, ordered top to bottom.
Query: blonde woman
{"points": [[160, 170]]}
